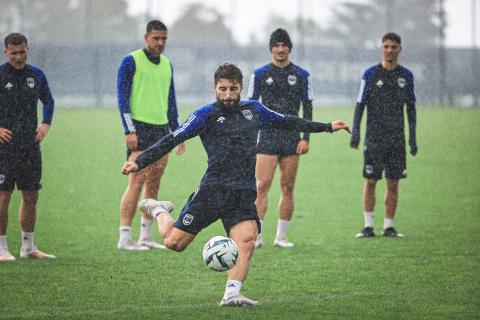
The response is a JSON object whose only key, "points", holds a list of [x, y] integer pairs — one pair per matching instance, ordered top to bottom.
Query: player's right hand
{"points": [[339, 125], [5, 135], [131, 141], [129, 167]]}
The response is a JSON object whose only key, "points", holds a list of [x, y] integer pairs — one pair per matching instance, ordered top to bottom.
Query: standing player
{"points": [[21, 86], [282, 86], [385, 89], [146, 99], [228, 130]]}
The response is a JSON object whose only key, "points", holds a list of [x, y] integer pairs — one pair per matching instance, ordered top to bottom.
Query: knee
{"points": [[370, 183], [263, 185], [287, 187], [174, 245]]}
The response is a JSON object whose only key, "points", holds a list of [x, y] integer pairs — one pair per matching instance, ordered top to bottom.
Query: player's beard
{"points": [[229, 106]]}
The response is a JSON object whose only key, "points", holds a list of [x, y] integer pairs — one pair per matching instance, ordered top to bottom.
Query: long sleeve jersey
{"points": [[20, 91], [230, 140]]}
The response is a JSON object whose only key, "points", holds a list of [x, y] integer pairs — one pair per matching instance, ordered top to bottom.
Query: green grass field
{"points": [[433, 273]]}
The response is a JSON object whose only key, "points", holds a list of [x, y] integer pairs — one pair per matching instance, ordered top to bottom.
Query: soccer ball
{"points": [[220, 253]]}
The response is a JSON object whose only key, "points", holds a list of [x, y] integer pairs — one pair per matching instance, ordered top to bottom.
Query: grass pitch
{"points": [[432, 273]]}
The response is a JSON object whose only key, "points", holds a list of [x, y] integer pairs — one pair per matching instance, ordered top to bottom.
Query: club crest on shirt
{"points": [[269, 80], [292, 80], [402, 82], [30, 83], [379, 83], [247, 114], [368, 169], [2, 178], [187, 219]]}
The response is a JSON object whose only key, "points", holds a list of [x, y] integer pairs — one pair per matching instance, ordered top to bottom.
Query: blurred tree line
{"points": [[88, 21]]}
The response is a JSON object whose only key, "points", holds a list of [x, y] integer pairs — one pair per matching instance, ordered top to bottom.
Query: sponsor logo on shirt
{"points": [[292, 80], [269, 81], [402, 82], [30, 83], [379, 83], [9, 86], [247, 114], [187, 219]]}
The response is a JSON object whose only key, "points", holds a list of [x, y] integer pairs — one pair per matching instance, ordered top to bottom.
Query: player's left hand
{"points": [[339, 125], [41, 132], [302, 147], [180, 149], [413, 149], [129, 167]]}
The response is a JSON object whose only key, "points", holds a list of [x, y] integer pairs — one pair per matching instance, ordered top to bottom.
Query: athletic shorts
{"points": [[148, 134], [282, 143], [380, 157], [21, 168], [208, 204]]}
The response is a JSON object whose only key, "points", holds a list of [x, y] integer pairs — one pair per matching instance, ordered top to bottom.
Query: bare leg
{"points": [[265, 170], [288, 173], [152, 181], [369, 195], [391, 198], [4, 202], [128, 203], [28, 210], [244, 234]]}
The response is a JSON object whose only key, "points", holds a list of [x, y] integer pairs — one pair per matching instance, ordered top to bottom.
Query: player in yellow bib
{"points": [[148, 108]]}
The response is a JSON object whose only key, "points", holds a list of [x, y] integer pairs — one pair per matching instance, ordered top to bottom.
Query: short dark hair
{"points": [[156, 25], [280, 35], [392, 36], [15, 39], [229, 71]]}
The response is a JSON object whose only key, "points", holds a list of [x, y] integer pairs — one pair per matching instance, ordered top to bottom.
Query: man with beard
{"points": [[148, 108], [228, 129]]}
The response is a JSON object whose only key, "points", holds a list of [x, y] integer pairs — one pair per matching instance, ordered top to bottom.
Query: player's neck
{"points": [[281, 64], [389, 65]]}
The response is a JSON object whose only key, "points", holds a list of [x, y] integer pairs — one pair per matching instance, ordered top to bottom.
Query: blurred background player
{"points": [[21, 86], [282, 86], [385, 89], [146, 99], [228, 129]]}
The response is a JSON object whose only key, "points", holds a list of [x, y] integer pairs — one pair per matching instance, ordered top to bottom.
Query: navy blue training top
{"points": [[283, 89], [20, 91], [384, 93], [230, 139]]}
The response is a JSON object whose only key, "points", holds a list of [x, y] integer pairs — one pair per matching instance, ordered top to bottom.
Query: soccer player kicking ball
{"points": [[228, 129]]}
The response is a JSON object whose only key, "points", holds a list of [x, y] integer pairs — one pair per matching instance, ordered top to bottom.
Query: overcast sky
{"points": [[250, 15]]}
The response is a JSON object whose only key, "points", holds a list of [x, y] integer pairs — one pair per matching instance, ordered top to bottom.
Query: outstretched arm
{"points": [[272, 119], [194, 124]]}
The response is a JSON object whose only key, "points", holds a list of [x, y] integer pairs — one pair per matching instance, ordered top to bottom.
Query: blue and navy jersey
{"points": [[125, 75], [283, 89], [20, 91], [384, 93], [229, 139]]}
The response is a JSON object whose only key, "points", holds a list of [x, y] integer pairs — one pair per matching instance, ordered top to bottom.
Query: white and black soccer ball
{"points": [[220, 253]]}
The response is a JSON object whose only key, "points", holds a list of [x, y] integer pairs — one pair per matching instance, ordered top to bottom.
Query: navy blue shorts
{"points": [[148, 134], [281, 143], [380, 157], [21, 168], [208, 204]]}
